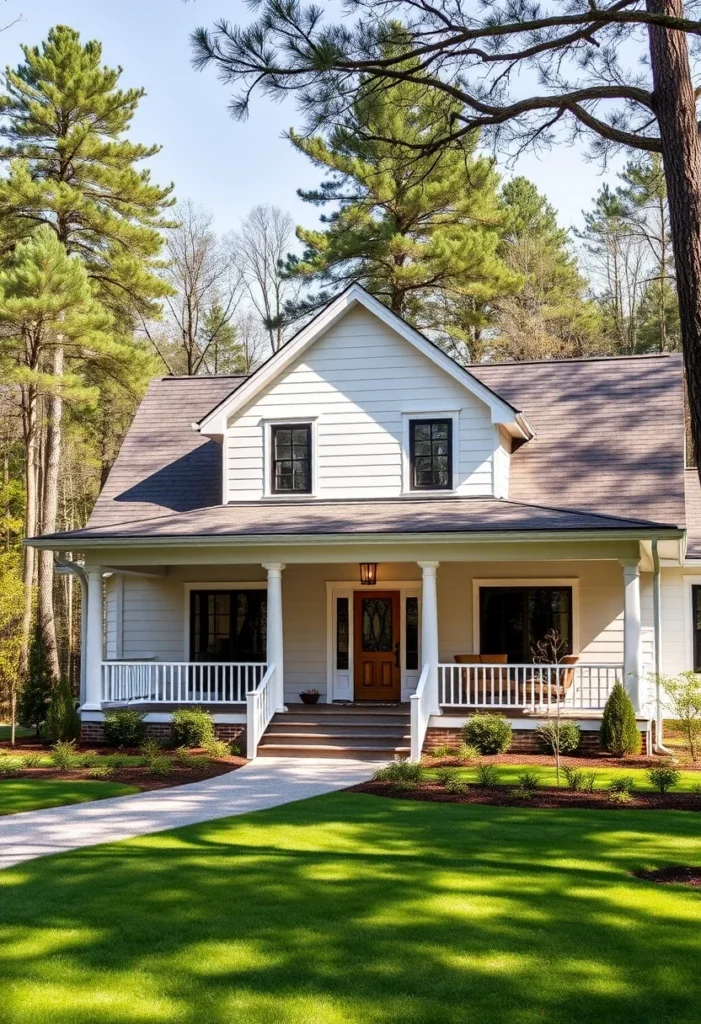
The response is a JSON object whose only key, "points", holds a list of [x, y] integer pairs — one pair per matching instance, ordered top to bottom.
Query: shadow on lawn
{"points": [[347, 908]]}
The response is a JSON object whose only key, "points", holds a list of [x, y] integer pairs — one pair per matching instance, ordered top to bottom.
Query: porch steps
{"points": [[338, 730]]}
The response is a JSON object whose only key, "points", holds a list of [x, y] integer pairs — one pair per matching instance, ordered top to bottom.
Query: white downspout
{"points": [[78, 571], [657, 626]]}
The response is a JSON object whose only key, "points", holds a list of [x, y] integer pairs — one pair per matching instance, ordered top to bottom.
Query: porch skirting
{"points": [[93, 732], [523, 741]]}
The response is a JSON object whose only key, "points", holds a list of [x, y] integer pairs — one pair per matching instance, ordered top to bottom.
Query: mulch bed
{"points": [[547, 760], [545, 796], [672, 876]]}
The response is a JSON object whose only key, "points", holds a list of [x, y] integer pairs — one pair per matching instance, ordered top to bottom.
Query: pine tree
{"points": [[70, 167], [422, 233], [550, 315], [35, 697], [619, 731]]}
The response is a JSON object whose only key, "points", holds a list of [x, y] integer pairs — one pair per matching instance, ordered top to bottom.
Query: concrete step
{"points": [[347, 709], [339, 722], [373, 739]]}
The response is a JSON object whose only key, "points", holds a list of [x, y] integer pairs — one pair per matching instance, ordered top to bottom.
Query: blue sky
{"points": [[225, 165]]}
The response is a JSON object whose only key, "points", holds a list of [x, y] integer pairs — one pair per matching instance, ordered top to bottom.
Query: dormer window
{"points": [[291, 445], [431, 455]]}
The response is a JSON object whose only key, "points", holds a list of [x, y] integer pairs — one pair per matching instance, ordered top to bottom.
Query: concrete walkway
{"points": [[263, 783]]}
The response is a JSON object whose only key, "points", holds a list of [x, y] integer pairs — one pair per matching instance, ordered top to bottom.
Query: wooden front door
{"points": [[377, 675]]}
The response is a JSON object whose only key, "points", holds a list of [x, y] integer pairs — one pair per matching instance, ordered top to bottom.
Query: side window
{"points": [[291, 447], [431, 455], [696, 625]]}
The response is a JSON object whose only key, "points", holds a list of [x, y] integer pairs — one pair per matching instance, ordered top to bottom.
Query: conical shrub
{"points": [[62, 718], [619, 731]]}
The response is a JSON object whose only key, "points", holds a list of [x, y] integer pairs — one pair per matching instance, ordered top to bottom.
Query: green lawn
{"points": [[6, 732], [508, 775], [32, 794], [353, 909]]}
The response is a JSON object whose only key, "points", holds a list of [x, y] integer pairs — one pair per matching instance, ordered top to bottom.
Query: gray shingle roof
{"points": [[610, 442], [442, 515]]}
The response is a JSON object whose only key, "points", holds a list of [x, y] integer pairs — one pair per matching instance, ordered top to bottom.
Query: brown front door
{"points": [[377, 658]]}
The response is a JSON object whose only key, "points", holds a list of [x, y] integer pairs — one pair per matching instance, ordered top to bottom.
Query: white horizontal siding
{"points": [[357, 382]]}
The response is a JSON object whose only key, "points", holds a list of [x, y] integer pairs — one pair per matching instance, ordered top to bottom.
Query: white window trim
{"points": [[438, 414], [281, 421], [505, 581], [689, 582], [207, 585], [348, 588]]}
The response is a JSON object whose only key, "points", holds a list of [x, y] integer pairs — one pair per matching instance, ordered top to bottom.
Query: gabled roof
{"points": [[502, 411], [462, 516]]}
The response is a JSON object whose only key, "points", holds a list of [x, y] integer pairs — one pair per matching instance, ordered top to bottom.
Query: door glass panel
{"points": [[377, 624], [412, 633], [342, 645]]}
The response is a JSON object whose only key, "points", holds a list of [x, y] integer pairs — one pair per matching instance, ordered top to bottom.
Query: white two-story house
{"points": [[365, 517]]}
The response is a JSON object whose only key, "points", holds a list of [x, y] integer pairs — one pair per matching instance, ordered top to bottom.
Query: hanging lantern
{"points": [[368, 573]]}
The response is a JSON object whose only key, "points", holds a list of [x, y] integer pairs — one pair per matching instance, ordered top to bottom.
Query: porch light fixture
{"points": [[368, 573]]}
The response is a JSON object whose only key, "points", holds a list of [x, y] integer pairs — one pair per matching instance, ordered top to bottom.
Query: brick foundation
{"points": [[92, 732], [524, 741]]}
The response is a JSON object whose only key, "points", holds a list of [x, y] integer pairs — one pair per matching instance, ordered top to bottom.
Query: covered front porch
{"points": [[438, 637]]}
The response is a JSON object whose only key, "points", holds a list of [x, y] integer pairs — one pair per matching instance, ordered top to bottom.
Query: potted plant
{"points": [[309, 696]]}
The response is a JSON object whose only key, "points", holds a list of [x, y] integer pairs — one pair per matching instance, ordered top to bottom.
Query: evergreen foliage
{"points": [[70, 167], [421, 232], [34, 699], [62, 718], [124, 727], [191, 727], [619, 731], [490, 734]]}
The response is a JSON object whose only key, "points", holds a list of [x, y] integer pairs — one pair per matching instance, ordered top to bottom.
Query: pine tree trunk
{"points": [[675, 106], [29, 427], [52, 463]]}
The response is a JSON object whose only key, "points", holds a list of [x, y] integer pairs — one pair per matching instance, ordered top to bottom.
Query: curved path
{"points": [[263, 783]]}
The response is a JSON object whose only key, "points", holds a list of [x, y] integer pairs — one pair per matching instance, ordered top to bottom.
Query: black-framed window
{"points": [[291, 445], [431, 454], [514, 619], [228, 625], [696, 625], [342, 633], [412, 633]]}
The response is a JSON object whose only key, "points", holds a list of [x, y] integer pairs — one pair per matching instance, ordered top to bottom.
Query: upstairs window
{"points": [[291, 445], [431, 455]]}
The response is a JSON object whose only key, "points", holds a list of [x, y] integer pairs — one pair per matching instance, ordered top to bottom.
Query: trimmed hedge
{"points": [[619, 731], [491, 734]]}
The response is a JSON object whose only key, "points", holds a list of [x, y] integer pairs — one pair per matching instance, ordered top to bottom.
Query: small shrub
{"points": [[62, 718], [124, 727], [191, 727], [619, 731], [569, 733], [491, 734], [151, 748], [216, 748], [235, 749], [444, 751], [466, 752], [63, 755], [89, 759], [32, 760], [118, 761], [9, 766], [161, 766], [100, 771], [402, 774], [447, 775], [487, 775], [574, 777], [663, 778], [529, 780], [589, 781], [623, 784], [456, 786], [696, 790], [523, 793], [619, 797]]}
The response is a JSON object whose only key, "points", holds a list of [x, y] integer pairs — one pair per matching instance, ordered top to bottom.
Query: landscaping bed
{"points": [[602, 760], [137, 775], [543, 797]]}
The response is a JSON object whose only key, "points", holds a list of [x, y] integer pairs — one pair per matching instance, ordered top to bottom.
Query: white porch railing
{"points": [[180, 682], [527, 687], [260, 708], [420, 714]]}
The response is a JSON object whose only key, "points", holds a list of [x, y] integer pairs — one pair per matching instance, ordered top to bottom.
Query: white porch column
{"points": [[429, 631], [632, 633], [93, 642], [275, 648]]}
